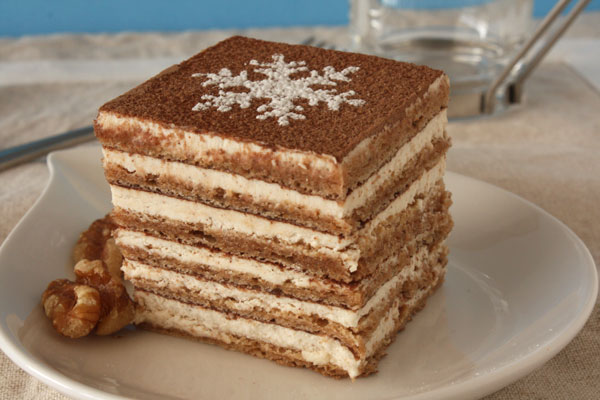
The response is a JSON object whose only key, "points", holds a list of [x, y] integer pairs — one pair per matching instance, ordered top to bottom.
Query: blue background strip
{"points": [[33, 17]]}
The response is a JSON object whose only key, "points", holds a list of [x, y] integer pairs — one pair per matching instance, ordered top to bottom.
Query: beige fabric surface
{"points": [[547, 151]]}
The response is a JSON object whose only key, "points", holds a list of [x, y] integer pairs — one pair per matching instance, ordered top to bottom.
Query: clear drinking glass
{"points": [[471, 40]]}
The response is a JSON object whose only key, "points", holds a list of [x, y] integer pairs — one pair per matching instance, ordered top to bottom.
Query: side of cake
{"points": [[281, 200]]}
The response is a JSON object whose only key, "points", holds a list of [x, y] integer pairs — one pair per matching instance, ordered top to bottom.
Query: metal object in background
{"points": [[482, 45], [505, 89], [513, 91], [32, 150]]}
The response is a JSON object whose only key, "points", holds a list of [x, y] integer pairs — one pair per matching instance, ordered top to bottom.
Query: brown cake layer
{"points": [[389, 89], [399, 99], [358, 166], [334, 183], [399, 183], [181, 187], [402, 227], [387, 238], [350, 295], [353, 337], [292, 357]]}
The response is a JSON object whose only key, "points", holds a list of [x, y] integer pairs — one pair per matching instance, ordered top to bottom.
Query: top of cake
{"points": [[279, 95]]}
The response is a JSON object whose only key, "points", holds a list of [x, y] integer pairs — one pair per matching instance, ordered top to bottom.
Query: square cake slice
{"points": [[282, 200]]}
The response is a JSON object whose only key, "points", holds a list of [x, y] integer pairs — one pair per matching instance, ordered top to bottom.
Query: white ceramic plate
{"points": [[519, 286]]}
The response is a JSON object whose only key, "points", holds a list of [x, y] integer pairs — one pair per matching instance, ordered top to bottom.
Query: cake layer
{"points": [[374, 152], [329, 154], [226, 190], [324, 255], [229, 269], [196, 289], [348, 326], [268, 340]]}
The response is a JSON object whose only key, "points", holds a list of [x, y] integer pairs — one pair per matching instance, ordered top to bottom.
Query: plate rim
{"points": [[27, 362], [513, 371], [475, 386]]}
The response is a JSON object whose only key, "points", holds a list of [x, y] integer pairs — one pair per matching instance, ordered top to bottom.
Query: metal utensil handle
{"points": [[489, 98], [29, 151]]}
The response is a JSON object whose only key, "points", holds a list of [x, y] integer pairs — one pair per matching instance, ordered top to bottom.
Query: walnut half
{"points": [[97, 243], [98, 299], [73, 308], [117, 308]]}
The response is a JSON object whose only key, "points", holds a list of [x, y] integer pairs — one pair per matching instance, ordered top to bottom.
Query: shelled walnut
{"points": [[97, 243], [97, 300], [117, 307], [74, 309]]}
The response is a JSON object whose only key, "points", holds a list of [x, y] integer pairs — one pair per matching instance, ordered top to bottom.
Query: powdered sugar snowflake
{"points": [[279, 87]]}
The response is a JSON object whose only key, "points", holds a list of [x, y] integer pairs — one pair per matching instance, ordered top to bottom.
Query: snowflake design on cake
{"points": [[279, 87]]}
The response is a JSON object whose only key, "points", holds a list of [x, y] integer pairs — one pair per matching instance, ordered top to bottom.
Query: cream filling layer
{"points": [[435, 128], [364, 145], [203, 147], [422, 185], [261, 191], [222, 219], [258, 227], [215, 260], [218, 261], [245, 300], [319, 350]]}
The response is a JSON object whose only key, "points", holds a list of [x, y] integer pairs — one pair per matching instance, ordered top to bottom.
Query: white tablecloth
{"points": [[547, 150]]}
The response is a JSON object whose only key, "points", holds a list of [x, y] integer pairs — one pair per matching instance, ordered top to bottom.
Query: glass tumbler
{"points": [[471, 40]]}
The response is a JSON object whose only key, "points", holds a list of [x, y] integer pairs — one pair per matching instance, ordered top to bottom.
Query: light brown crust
{"points": [[399, 182], [327, 183], [217, 197], [282, 211], [404, 227], [396, 231], [331, 292], [352, 295], [353, 337], [281, 355], [293, 358]]}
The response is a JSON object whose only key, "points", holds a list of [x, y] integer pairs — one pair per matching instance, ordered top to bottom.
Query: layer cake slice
{"points": [[282, 200]]}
